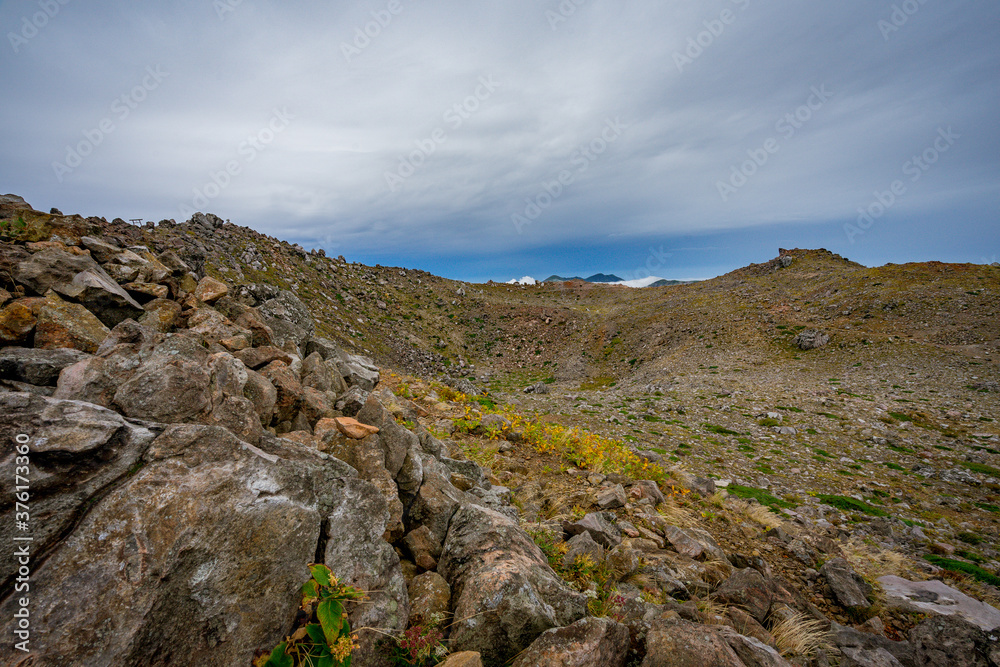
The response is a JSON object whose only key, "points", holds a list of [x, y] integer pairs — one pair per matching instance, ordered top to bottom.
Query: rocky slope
{"points": [[208, 409]]}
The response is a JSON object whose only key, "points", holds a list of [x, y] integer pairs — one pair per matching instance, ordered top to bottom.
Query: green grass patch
{"points": [[721, 430], [894, 466], [981, 468], [760, 495], [847, 504], [988, 507], [961, 566]]}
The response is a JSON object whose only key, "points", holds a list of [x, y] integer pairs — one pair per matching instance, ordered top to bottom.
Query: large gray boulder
{"points": [[78, 278], [35, 366], [356, 552], [195, 555], [848, 587], [504, 592], [949, 641], [589, 642], [674, 642]]}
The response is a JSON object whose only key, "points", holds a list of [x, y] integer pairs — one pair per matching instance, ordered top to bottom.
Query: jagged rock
{"points": [[173, 263], [78, 277], [210, 290], [145, 292], [161, 314], [289, 318], [17, 322], [63, 324], [215, 327], [261, 334], [810, 339], [327, 349], [258, 357], [37, 367], [359, 371], [288, 387], [537, 388], [168, 389], [262, 394], [352, 401], [315, 406], [396, 441], [645, 488], [612, 497], [435, 504], [601, 527], [693, 543], [583, 545], [424, 547], [199, 553], [357, 553], [624, 561], [849, 588], [747, 589], [504, 592], [430, 597], [936, 597], [949, 641], [589, 642], [674, 642], [869, 650], [752, 651]]}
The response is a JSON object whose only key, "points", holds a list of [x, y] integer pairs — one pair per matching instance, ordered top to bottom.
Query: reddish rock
{"points": [[210, 290], [16, 324], [64, 324], [352, 428]]}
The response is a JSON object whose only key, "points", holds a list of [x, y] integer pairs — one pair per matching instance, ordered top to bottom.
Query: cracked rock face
{"points": [[184, 548]]}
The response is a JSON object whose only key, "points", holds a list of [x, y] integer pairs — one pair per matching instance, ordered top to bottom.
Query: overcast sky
{"points": [[494, 140]]}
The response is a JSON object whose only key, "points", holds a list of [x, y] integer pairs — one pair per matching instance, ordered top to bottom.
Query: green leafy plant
{"points": [[325, 640]]}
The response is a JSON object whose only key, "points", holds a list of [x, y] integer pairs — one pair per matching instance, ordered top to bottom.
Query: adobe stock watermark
{"points": [[225, 7], [562, 12], [899, 17], [30, 26], [714, 28], [363, 36], [121, 108], [455, 116], [787, 126], [248, 150], [581, 158], [915, 168]]}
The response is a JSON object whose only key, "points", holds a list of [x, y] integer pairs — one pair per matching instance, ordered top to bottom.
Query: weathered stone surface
{"points": [[78, 277], [210, 290], [146, 292], [161, 314], [289, 320], [16, 324], [64, 324], [213, 326], [810, 339], [258, 357], [34, 366], [359, 371], [316, 374], [167, 389], [289, 390], [262, 394], [352, 401], [396, 441], [367, 458], [645, 488], [612, 497], [435, 504], [600, 526], [694, 543], [583, 545], [424, 547], [358, 554], [196, 558], [849, 589], [748, 590], [504, 592], [430, 597], [937, 597], [949, 641], [589, 642], [675, 642], [865, 649], [751, 651], [462, 659]]}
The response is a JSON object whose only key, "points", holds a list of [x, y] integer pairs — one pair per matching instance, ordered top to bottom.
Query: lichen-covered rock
{"points": [[16, 324], [64, 324], [34, 366], [356, 552], [194, 557], [505, 594], [430, 597], [589, 642], [674, 642]]}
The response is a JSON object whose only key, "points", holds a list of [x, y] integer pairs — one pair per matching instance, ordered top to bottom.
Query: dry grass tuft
{"points": [[756, 512], [676, 515], [873, 562], [799, 635]]}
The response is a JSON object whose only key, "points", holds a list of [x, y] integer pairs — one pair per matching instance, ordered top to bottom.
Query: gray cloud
{"points": [[322, 179]]}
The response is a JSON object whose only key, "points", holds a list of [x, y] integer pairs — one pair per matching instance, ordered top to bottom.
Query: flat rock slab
{"points": [[354, 429], [936, 597]]}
